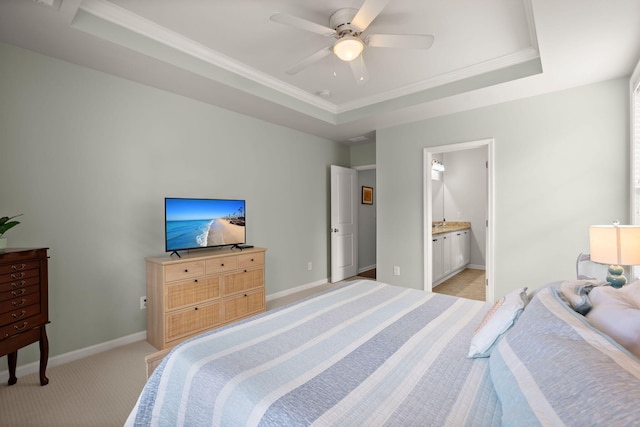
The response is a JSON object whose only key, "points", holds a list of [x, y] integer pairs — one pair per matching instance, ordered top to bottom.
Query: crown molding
{"points": [[121, 17], [515, 58]]}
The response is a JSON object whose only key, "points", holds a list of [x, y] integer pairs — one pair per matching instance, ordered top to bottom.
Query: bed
{"points": [[369, 353]]}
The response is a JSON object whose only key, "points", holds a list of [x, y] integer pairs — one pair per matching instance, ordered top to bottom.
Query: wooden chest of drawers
{"points": [[198, 292], [24, 305]]}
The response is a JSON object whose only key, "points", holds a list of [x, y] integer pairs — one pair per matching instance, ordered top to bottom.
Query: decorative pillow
{"points": [[576, 294], [616, 312], [497, 322]]}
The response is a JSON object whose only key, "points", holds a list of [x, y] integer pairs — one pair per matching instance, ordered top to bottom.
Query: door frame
{"points": [[428, 153]]}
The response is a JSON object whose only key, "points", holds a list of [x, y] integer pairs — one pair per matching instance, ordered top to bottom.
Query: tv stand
{"points": [[175, 252], [202, 291]]}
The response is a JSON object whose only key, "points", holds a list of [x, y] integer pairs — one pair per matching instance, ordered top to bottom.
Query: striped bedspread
{"points": [[365, 353], [555, 369]]}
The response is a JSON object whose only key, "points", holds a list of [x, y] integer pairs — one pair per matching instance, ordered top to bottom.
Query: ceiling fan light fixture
{"points": [[348, 48]]}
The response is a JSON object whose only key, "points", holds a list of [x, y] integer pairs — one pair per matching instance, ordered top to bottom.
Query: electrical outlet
{"points": [[309, 266], [396, 270], [143, 302]]}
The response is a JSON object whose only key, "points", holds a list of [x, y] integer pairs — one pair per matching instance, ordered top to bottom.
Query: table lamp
{"points": [[617, 245]]}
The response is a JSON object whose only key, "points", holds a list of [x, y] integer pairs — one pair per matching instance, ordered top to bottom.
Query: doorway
{"points": [[353, 223], [481, 225], [367, 237]]}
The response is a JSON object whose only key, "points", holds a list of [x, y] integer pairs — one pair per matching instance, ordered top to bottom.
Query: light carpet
{"points": [[99, 390]]}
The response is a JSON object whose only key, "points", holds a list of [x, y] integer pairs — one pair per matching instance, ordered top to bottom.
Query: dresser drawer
{"points": [[251, 260], [222, 264], [18, 266], [184, 270], [14, 276], [240, 282], [19, 284], [179, 295], [13, 299], [243, 305], [19, 314], [186, 322], [20, 326]]}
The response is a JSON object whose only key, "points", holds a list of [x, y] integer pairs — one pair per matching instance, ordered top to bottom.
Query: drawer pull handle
{"points": [[251, 259], [222, 265], [18, 267], [186, 271], [245, 271], [15, 276], [196, 280], [18, 285], [18, 294], [245, 295], [18, 304], [196, 308], [17, 316], [21, 328]]}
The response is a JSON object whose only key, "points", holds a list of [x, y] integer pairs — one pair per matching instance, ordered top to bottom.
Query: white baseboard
{"points": [[477, 267], [360, 270], [300, 288], [296, 289], [61, 359]]}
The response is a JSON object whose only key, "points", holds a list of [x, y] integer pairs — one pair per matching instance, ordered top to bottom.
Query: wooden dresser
{"points": [[202, 291], [24, 305]]}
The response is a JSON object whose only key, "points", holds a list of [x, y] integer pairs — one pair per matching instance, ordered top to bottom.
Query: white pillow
{"points": [[616, 312], [496, 322]]}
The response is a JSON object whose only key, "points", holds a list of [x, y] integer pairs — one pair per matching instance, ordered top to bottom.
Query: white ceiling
{"points": [[229, 53]]}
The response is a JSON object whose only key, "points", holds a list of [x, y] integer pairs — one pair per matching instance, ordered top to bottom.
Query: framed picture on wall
{"points": [[367, 195]]}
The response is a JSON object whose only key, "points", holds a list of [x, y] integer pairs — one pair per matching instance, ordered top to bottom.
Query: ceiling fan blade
{"points": [[367, 13], [302, 24], [408, 41], [309, 60], [359, 70]]}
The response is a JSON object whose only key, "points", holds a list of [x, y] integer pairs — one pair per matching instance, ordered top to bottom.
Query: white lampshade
{"points": [[348, 48], [615, 244]]}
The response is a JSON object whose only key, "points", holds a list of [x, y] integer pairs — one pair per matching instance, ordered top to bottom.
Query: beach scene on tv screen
{"points": [[193, 223]]}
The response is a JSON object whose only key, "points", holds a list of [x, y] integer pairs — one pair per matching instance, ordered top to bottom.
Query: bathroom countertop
{"points": [[439, 227]]}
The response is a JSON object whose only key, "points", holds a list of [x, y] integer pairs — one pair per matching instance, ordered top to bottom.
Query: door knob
{"points": [[334, 230]]}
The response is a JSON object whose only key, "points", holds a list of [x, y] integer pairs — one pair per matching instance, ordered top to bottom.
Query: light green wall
{"points": [[363, 154], [88, 158], [561, 164]]}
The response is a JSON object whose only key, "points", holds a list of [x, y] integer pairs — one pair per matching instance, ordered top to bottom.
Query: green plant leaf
{"points": [[6, 225]]}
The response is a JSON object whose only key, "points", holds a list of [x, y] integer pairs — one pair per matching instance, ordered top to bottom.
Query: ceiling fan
{"points": [[347, 27]]}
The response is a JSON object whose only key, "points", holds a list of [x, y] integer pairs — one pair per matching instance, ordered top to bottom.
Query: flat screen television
{"points": [[203, 223]]}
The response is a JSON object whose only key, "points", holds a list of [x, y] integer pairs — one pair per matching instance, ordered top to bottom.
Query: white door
{"points": [[344, 223]]}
